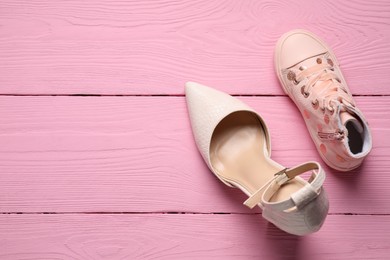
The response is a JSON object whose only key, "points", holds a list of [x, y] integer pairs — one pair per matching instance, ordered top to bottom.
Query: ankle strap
{"points": [[298, 198]]}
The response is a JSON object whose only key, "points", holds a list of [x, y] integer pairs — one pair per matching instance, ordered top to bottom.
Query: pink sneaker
{"points": [[310, 74]]}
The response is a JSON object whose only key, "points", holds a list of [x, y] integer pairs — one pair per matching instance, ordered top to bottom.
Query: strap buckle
{"points": [[281, 172], [282, 177]]}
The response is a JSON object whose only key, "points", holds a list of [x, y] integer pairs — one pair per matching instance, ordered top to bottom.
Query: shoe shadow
{"points": [[351, 179], [275, 243], [283, 245]]}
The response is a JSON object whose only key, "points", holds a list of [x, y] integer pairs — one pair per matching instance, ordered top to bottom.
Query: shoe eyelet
{"points": [[319, 60], [330, 62], [302, 68], [292, 77], [338, 80], [304, 93], [315, 104]]}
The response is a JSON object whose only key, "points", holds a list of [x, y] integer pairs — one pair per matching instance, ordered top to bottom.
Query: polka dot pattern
{"points": [[306, 114], [326, 119], [323, 149]]}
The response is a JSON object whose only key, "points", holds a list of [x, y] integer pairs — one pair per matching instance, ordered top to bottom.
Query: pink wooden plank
{"points": [[143, 47], [94, 154], [158, 236]]}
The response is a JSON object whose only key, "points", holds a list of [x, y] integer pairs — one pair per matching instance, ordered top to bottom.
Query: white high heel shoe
{"points": [[235, 144]]}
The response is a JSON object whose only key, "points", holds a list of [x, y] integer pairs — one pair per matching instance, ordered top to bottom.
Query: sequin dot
{"points": [[306, 113], [326, 119], [319, 127], [323, 149], [339, 158]]}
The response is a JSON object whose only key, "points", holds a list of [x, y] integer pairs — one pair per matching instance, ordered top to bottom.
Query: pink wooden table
{"points": [[97, 159]]}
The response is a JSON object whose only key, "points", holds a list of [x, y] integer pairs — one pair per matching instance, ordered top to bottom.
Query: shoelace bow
{"points": [[329, 86]]}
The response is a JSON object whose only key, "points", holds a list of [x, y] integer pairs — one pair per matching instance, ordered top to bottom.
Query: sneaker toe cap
{"points": [[297, 46]]}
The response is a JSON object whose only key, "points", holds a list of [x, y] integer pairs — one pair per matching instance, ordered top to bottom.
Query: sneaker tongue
{"points": [[348, 118]]}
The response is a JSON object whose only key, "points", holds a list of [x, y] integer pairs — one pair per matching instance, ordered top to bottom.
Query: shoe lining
{"points": [[355, 139], [239, 154]]}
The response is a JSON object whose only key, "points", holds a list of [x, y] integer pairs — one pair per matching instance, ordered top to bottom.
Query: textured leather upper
{"points": [[207, 107]]}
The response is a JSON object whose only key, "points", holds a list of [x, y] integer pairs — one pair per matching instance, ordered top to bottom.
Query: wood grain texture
{"points": [[153, 47], [137, 154], [67, 164], [157, 236]]}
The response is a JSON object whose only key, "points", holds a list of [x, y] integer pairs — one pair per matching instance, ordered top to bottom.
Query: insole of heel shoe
{"points": [[238, 153]]}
